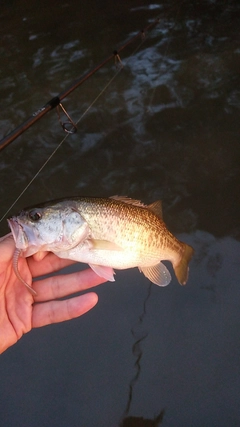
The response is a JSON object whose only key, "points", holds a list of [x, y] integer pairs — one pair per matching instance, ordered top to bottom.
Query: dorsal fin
{"points": [[129, 201], [156, 207]]}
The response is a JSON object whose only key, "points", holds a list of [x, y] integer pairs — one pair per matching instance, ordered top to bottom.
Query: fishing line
{"points": [[120, 67], [54, 102], [73, 129], [55, 150], [34, 177]]}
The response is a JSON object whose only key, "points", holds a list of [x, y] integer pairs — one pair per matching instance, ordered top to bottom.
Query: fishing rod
{"points": [[56, 101]]}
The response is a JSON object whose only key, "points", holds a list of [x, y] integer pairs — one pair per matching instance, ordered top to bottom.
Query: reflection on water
{"points": [[166, 128]]}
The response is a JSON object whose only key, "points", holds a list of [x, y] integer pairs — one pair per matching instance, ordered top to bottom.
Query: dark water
{"points": [[166, 128]]}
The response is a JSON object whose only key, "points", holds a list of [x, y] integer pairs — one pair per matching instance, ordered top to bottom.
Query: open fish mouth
{"points": [[15, 228], [20, 233], [21, 242]]}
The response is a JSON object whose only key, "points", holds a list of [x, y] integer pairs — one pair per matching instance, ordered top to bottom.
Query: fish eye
{"points": [[34, 215]]}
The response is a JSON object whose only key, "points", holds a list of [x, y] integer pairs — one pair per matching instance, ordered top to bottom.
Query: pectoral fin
{"points": [[104, 245], [103, 271], [157, 274]]}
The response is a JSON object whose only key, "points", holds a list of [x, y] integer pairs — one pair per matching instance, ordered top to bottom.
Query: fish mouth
{"points": [[14, 227], [18, 233], [20, 242]]}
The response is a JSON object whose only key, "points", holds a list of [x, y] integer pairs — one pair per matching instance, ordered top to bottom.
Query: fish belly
{"points": [[119, 259]]}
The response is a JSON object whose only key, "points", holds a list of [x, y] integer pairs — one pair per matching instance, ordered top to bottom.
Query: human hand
{"points": [[20, 311]]}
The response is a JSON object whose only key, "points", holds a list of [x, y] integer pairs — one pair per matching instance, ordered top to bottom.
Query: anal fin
{"points": [[157, 274]]}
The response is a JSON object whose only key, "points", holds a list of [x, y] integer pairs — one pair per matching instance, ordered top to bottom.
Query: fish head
{"points": [[48, 228]]}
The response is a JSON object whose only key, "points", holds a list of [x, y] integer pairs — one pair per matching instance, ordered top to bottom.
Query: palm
{"points": [[20, 311]]}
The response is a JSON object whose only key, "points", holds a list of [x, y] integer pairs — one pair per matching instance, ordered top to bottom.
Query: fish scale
{"points": [[130, 224]]}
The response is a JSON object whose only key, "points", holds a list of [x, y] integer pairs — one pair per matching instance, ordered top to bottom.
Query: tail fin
{"points": [[181, 270]]}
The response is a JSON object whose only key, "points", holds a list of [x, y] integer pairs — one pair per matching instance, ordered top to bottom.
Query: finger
{"points": [[6, 237], [48, 264], [66, 284], [59, 311]]}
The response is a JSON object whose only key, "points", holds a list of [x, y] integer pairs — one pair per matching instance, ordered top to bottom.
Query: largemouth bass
{"points": [[107, 233]]}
